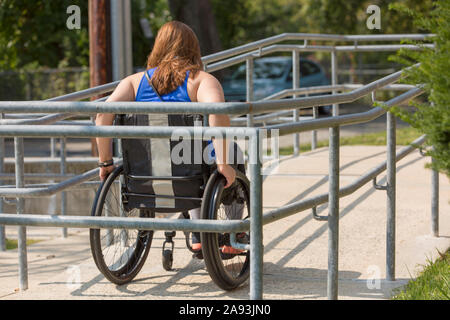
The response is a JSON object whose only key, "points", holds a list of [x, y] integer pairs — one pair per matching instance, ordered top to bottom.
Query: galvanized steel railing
{"points": [[64, 109]]}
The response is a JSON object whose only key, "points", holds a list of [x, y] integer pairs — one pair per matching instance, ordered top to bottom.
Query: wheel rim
{"points": [[122, 251], [235, 266]]}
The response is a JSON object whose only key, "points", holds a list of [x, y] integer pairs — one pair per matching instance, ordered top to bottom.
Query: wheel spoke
{"points": [[121, 252], [228, 267]]}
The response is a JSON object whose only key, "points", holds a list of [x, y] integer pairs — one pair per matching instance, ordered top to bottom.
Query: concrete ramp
{"points": [[295, 248]]}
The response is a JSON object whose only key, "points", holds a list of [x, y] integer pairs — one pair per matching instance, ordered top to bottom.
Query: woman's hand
{"points": [[105, 171], [228, 172]]}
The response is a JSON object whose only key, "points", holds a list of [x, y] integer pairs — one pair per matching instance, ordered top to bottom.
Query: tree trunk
{"points": [[199, 16], [99, 49]]}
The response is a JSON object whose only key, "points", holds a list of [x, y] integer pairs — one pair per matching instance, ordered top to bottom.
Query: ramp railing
{"points": [[58, 109]]}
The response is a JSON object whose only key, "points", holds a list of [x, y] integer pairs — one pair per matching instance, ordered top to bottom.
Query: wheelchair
{"points": [[129, 191]]}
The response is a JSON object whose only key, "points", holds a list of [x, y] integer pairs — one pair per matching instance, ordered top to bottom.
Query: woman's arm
{"points": [[210, 90], [123, 92]]}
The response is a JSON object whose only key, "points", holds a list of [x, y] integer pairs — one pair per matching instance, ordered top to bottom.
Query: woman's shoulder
{"points": [[136, 77], [202, 77], [134, 80], [201, 82], [209, 88]]}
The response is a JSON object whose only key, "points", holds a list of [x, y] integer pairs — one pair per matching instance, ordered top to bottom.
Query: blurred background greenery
{"points": [[41, 58]]}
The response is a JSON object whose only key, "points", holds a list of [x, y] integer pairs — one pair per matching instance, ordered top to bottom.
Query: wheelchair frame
{"points": [[216, 261]]}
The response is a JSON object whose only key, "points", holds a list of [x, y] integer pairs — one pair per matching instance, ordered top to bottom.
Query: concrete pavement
{"points": [[295, 248]]}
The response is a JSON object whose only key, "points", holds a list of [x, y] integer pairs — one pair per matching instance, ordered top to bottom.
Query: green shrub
{"points": [[433, 74], [433, 283]]}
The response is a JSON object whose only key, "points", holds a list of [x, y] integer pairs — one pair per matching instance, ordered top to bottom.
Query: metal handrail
{"points": [[309, 36], [307, 48], [87, 93], [196, 107], [344, 120], [167, 132], [309, 203], [257, 219], [125, 223]]}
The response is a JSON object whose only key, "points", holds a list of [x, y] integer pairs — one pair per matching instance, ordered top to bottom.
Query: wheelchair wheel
{"points": [[118, 253], [227, 269]]}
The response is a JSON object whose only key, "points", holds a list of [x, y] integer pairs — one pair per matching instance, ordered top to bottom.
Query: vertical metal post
{"points": [[117, 41], [121, 43], [128, 43], [334, 79], [249, 84], [296, 85], [314, 132], [275, 144], [53, 147], [2, 158], [63, 194], [333, 197], [434, 197], [52, 200], [434, 202], [20, 206], [333, 215], [390, 222], [256, 227]]}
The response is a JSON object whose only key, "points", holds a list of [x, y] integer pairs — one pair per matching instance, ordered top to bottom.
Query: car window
{"points": [[306, 69], [262, 70], [270, 70], [240, 73]]}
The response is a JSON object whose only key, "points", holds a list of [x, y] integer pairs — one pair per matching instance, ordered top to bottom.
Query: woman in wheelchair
{"points": [[150, 181]]}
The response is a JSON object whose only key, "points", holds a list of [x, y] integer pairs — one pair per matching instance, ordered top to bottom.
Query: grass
{"points": [[404, 137], [12, 243], [433, 283]]}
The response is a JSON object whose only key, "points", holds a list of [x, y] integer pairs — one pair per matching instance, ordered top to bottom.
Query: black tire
{"points": [[130, 247], [228, 271]]}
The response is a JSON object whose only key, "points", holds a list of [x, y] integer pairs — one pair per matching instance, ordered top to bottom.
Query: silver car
{"points": [[272, 75]]}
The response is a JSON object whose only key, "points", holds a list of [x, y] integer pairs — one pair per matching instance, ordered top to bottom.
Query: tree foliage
{"points": [[34, 33], [433, 74]]}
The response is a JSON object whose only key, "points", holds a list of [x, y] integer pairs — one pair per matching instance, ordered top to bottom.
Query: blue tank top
{"points": [[146, 93], [180, 94]]}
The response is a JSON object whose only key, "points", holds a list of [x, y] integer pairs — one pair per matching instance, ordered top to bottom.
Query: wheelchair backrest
{"points": [[167, 175]]}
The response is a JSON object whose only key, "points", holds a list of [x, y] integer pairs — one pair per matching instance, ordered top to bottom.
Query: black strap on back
{"points": [[151, 85]]}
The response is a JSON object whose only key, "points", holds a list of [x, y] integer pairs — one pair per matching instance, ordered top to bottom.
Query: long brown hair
{"points": [[175, 51]]}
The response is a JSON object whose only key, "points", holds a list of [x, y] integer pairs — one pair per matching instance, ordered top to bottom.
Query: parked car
{"points": [[272, 75]]}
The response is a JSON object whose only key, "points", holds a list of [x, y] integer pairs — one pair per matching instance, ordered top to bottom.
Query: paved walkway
{"points": [[295, 248]]}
